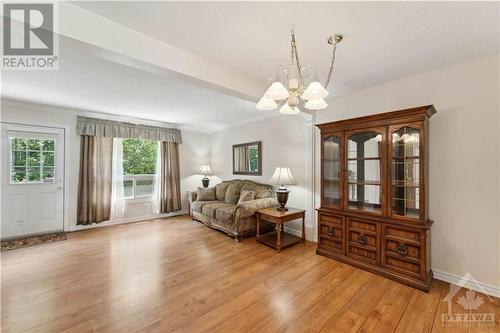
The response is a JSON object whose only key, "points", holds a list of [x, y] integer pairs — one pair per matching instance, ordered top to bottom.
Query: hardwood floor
{"points": [[178, 275]]}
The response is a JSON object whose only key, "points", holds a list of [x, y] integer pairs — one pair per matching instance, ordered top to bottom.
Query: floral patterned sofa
{"points": [[226, 214]]}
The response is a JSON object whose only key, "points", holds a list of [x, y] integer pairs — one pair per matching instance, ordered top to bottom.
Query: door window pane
{"points": [[34, 144], [47, 145], [19, 158], [48, 158], [32, 160], [331, 171], [364, 171], [406, 172], [18, 175], [34, 175], [48, 175]]}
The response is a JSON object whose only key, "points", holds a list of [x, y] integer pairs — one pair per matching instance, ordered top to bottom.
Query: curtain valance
{"points": [[117, 129]]}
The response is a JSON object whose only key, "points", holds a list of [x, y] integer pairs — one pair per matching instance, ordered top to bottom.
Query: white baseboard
{"points": [[126, 220], [298, 233], [474, 285]]}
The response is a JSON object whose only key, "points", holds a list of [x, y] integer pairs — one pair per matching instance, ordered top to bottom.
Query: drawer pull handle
{"points": [[330, 231], [362, 239], [402, 249]]}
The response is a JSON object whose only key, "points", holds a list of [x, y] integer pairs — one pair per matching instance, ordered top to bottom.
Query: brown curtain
{"points": [[94, 184], [170, 184]]}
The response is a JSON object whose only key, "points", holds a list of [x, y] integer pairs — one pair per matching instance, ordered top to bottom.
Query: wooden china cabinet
{"points": [[374, 194]]}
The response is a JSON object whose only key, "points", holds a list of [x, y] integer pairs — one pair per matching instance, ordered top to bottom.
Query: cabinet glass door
{"points": [[332, 170], [364, 170], [406, 180]]}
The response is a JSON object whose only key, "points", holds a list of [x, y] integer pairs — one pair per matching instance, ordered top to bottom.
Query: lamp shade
{"points": [[277, 91], [314, 91], [266, 104], [316, 104], [287, 109], [205, 169], [282, 176]]}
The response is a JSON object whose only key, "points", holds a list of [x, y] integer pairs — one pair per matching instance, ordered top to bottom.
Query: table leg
{"points": [[258, 227], [303, 229], [279, 237]]}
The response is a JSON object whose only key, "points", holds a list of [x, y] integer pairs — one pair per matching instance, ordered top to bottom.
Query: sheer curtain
{"points": [[156, 191], [117, 192]]}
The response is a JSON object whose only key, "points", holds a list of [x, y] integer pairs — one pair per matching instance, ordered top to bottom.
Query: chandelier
{"points": [[295, 86]]}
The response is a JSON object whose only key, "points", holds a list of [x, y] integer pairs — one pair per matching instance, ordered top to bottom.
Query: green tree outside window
{"points": [[139, 157]]}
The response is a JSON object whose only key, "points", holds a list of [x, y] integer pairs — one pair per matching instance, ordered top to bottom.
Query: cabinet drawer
{"points": [[332, 219], [328, 230], [331, 232], [404, 235], [363, 240], [329, 244], [403, 251]]}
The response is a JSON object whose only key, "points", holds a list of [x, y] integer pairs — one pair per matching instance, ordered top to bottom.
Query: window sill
{"points": [[139, 199]]}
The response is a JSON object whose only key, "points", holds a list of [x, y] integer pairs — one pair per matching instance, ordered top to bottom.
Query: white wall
{"points": [[284, 142], [193, 151], [464, 165]]}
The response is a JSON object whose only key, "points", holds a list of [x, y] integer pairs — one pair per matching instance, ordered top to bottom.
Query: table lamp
{"points": [[205, 171], [282, 176]]}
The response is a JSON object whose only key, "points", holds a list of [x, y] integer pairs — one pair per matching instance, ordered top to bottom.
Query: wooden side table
{"points": [[279, 238]]}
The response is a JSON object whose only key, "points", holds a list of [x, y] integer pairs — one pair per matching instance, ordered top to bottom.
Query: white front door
{"points": [[32, 180]]}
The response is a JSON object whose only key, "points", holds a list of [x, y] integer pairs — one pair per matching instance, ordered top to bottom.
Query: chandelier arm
{"points": [[295, 55], [330, 71]]}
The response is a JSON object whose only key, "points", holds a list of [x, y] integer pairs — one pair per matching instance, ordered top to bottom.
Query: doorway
{"points": [[32, 180]]}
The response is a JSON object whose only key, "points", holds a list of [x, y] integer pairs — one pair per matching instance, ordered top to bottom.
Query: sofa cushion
{"points": [[220, 190], [261, 191], [233, 192], [205, 194], [246, 196], [197, 205], [210, 209], [225, 215]]}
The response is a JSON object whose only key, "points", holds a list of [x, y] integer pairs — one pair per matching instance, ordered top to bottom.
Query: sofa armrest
{"points": [[191, 196], [248, 208]]}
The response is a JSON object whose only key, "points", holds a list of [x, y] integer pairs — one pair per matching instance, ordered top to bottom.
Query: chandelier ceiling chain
{"points": [[296, 85]]}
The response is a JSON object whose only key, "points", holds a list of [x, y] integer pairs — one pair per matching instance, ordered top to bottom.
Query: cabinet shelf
{"points": [[407, 157], [364, 159], [364, 182]]}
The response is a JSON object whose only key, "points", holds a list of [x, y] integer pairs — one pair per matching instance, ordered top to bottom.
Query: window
{"points": [[32, 160], [139, 161]]}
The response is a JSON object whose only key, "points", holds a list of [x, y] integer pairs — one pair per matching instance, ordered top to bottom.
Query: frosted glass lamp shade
{"points": [[314, 91], [277, 92], [266, 104], [316, 104], [287, 109], [205, 170], [282, 176]]}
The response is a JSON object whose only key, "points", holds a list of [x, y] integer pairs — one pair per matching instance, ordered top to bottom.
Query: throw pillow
{"points": [[220, 190], [233, 193], [206, 194], [246, 196]]}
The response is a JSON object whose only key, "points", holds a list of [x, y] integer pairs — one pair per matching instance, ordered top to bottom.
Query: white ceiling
{"points": [[383, 41], [88, 82]]}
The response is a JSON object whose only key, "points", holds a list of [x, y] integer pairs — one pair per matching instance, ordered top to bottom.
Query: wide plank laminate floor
{"points": [[178, 275]]}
